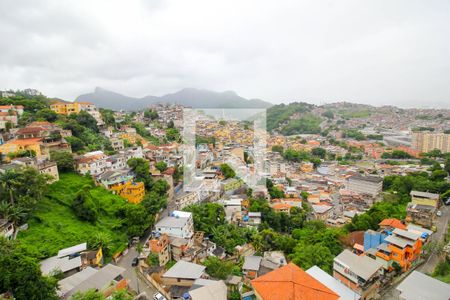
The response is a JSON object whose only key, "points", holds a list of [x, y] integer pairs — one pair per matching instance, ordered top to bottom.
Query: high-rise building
{"points": [[425, 141]]}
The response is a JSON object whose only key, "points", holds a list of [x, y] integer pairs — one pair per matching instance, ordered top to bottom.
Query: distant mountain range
{"points": [[196, 98]]}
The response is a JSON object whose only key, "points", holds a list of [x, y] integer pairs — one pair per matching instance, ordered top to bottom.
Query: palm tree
{"points": [[9, 184], [13, 214], [101, 240]]}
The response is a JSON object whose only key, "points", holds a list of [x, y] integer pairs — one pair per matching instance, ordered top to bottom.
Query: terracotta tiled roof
{"points": [[40, 123], [30, 130], [25, 142], [279, 206], [393, 223], [291, 283]]}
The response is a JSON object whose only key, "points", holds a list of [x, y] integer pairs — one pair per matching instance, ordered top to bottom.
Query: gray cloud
{"points": [[376, 52]]}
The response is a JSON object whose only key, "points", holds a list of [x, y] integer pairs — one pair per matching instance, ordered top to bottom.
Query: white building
{"points": [[370, 185], [179, 224]]}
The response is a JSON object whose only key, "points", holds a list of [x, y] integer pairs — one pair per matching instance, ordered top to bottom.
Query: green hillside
{"points": [[279, 117], [54, 225]]}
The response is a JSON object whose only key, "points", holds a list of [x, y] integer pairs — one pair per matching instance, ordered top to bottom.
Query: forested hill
{"points": [[293, 118]]}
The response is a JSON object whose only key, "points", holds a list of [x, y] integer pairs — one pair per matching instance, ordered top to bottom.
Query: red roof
{"points": [[26, 130], [280, 206], [396, 223], [291, 283]]}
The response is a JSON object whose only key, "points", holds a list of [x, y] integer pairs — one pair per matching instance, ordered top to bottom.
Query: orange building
{"points": [[161, 247], [403, 247], [290, 282]]}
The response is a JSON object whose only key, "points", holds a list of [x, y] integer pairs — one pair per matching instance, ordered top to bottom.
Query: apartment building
{"points": [[68, 108], [425, 141], [121, 182], [370, 185], [425, 198], [179, 224], [403, 247]]}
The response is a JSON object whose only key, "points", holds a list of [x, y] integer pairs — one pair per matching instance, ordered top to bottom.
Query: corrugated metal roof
{"points": [[72, 250], [252, 263], [363, 266], [184, 269], [333, 284], [418, 286]]}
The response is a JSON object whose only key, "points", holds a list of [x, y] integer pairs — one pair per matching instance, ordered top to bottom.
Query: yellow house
{"points": [[66, 108], [33, 144], [132, 191], [424, 198]]}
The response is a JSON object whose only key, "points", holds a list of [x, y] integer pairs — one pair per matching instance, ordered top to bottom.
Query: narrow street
{"points": [[441, 226], [429, 266], [136, 283]]}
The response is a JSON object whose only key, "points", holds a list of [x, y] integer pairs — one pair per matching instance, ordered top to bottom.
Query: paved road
{"points": [[438, 236], [429, 266], [136, 283]]}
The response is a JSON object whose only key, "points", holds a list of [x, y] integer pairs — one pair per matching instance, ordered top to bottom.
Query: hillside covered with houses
{"points": [[352, 203]]}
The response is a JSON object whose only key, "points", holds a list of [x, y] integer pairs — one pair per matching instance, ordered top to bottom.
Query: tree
{"points": [[47, 114], [151, 114], [85, 119], [170, 124], [172, 134], [76, 144], [320, 152], [64, 160], [447, 165], [161, 166], [141, 169], [227, 171], [438, 175], [24, 187], [304, 195], [84, 206], [14, 214], [207, 215], [136, 219], [101, 240], [313, 255], [153, 260], [217, 268], [21, 275], [91, 294], [121, 295]]}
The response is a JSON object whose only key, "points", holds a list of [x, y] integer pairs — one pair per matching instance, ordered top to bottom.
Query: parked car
{"points": [[447, 201], [439, 213], [135, 262], [159, 296]]}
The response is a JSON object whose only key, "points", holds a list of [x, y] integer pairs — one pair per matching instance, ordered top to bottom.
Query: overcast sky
{"points": [[376, 52]]}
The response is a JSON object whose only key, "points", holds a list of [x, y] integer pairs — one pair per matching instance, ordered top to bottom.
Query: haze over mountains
{"points": [[197, 98]]}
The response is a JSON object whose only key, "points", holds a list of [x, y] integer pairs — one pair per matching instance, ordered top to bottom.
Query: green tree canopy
{"points": [[64, 160], [227, 171], [21, 274]]}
